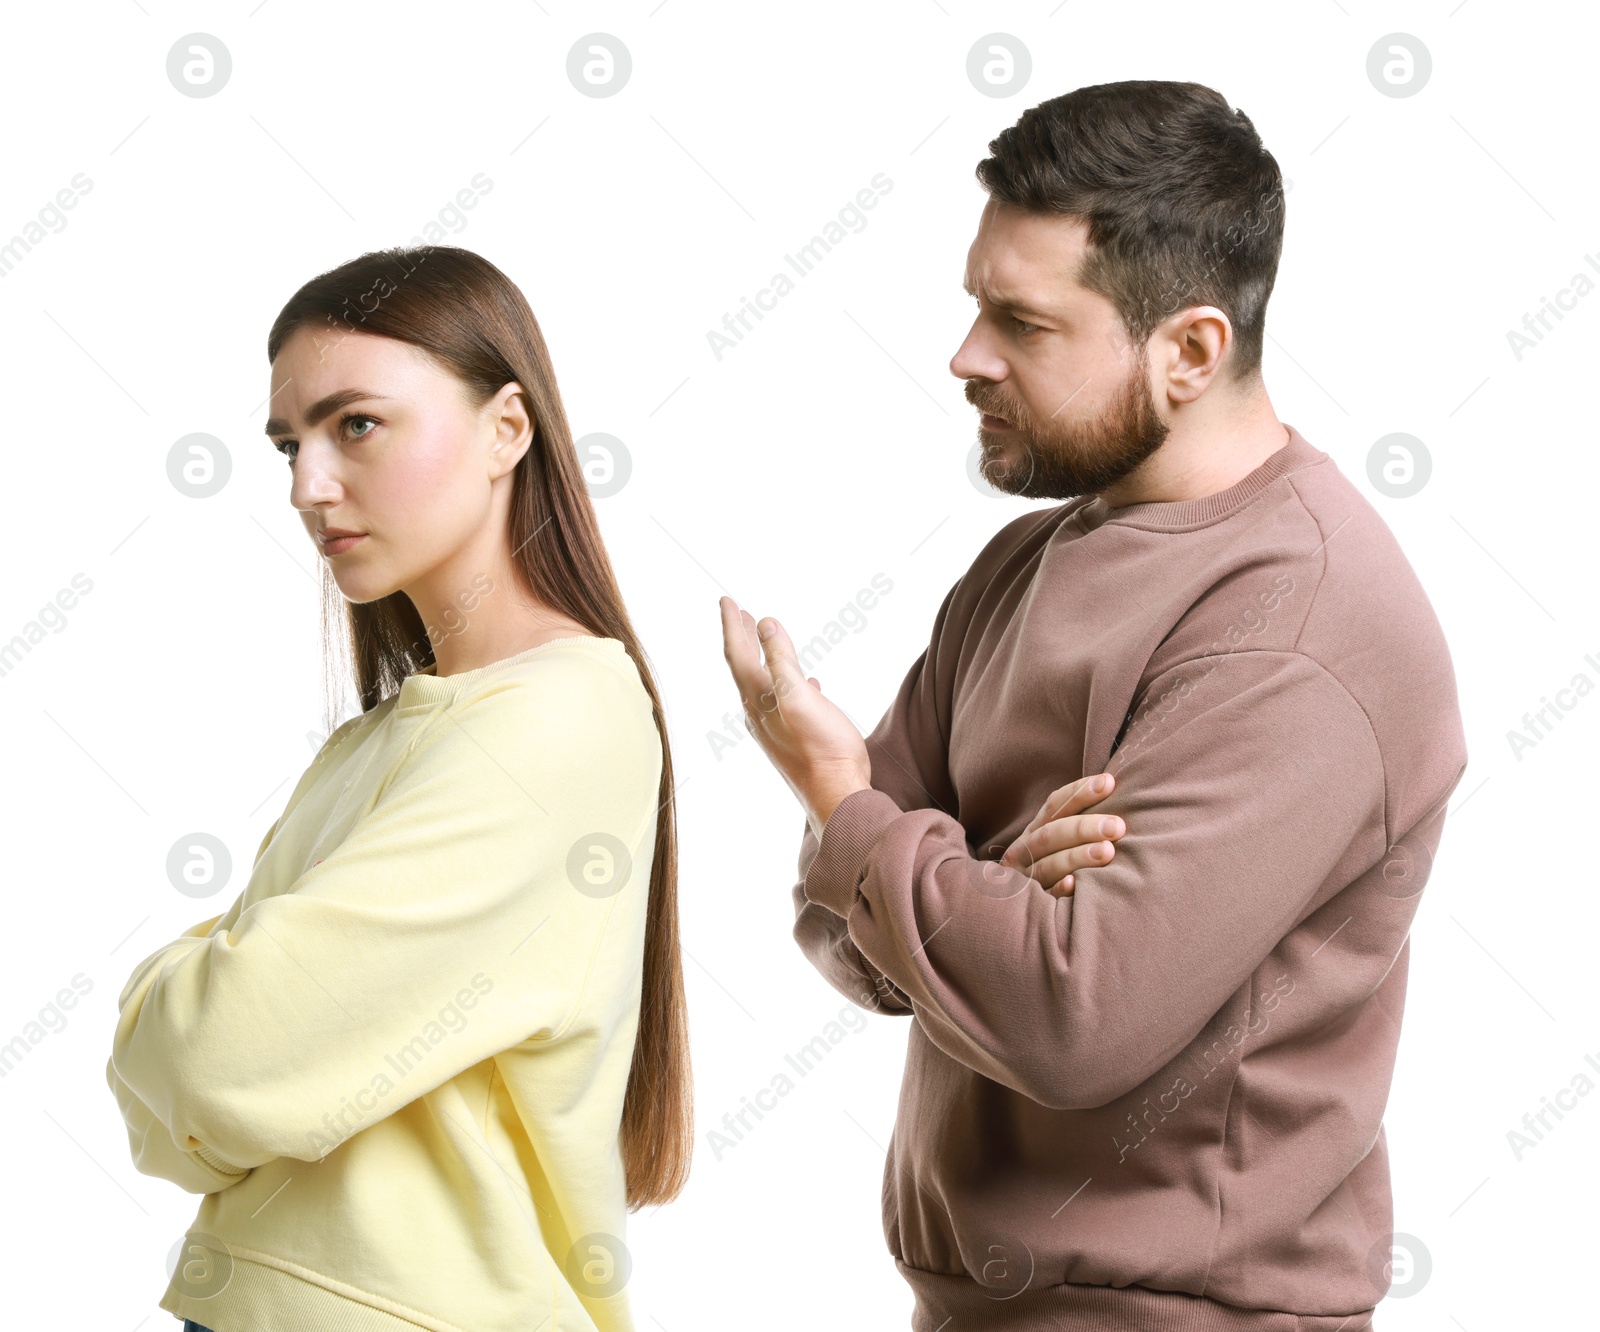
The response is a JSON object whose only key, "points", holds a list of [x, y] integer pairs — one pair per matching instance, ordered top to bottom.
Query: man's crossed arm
{"points": [[1260, 795]]}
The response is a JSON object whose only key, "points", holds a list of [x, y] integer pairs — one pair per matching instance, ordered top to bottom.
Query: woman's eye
{"points": [[285, 445]]}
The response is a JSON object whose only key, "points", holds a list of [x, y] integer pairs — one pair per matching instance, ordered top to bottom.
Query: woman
{"points": [[427, 1062]]}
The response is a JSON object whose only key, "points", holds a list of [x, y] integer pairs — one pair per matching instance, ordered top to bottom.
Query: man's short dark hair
{"points": [[1183, 202]]}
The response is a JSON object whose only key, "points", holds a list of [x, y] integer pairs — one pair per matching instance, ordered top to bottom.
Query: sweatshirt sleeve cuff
{"points": [[847, 837], [217, 1163]]}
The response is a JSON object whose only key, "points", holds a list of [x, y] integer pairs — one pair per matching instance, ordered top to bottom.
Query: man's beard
{"points": [[1062, 459]]}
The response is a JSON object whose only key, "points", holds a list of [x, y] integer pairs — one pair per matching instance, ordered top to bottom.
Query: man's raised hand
{"points": [[814, 746]]}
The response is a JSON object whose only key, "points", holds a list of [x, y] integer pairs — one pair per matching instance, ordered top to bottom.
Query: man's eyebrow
{"points": [[1007, 301], [324, 407]]}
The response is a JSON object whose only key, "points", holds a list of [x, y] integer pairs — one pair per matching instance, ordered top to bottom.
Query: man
{"points": [[1155, 1101]]}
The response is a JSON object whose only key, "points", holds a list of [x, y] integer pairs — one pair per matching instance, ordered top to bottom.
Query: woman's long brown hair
{"points": [[476, 322]]}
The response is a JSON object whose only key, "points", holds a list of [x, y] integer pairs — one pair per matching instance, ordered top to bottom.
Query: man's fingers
{"points": [[741, 648], [782, 665], [764, 667], [1077, 796], [1073, 798], [1057, 835], [1060, 864], [1057, 871], [1062, 889]]}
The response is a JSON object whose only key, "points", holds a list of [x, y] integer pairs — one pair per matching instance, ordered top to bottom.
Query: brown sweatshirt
{"points": [[1156, 1103]]}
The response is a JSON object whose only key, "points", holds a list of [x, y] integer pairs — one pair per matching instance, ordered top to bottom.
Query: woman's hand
{"points": [[1062, 838]]}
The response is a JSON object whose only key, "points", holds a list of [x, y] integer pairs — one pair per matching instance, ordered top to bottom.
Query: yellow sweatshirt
{"points": [[395, 1065]]}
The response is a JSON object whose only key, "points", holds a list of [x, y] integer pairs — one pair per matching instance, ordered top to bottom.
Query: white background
{"points": [[182, 692]]}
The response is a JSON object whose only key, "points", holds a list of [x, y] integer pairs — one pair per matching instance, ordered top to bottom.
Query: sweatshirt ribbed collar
{"points": [[1177, 515], [426, 686]]}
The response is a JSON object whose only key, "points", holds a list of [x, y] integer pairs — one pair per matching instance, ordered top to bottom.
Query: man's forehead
{"points": [[1024, 254], [1003, 276]]}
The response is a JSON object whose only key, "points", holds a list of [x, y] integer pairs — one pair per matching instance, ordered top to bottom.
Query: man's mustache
{"points": [[1005, 411]]}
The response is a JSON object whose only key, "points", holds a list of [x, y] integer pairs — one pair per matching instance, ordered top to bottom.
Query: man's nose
{"points": [[972, 361]]}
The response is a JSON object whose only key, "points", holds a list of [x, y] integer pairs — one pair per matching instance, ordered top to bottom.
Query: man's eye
{"points": [[1022, 325]]}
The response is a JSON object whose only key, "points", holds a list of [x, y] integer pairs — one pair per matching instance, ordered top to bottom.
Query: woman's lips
{"points": [[338, 545]]}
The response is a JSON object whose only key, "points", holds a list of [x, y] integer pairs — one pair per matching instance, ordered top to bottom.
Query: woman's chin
{"points": [[362, 587]]}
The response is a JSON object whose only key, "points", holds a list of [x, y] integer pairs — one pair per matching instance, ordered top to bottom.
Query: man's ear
{"points": [[1204, 338]]}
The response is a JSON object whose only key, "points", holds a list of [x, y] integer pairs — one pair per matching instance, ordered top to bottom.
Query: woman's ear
{"points": [[513, 428]]}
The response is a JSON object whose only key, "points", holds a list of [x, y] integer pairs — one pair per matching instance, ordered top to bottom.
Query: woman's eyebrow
{"points": [[324, 407]]}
